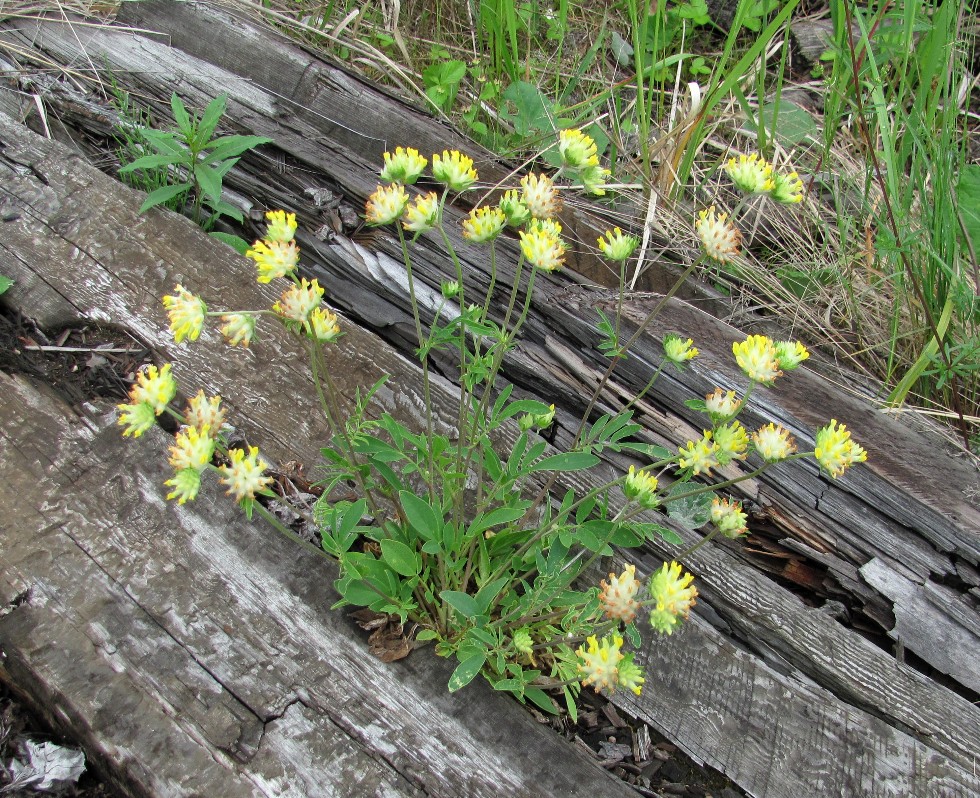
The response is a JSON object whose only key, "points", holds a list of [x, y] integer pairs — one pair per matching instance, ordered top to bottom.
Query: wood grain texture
{"points": [[793, 682]]}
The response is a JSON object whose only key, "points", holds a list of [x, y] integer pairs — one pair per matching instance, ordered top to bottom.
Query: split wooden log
{"points": [[783, 680]]}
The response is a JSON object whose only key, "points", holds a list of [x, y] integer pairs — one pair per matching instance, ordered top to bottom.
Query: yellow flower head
{"points": [[578, 151], [404, 167], [454, 169], [750, 174], [594, 179], [787, 189], [540, 196], [386, 205], [514, 208], [422, 214], [484, 224], [280, 226], [721, 240], [616, 246], [543, 249], [274, 259], [299, 301], [186, 312], [324, 325], [239, 328], [677, 350], [789, 354], [756, 356], [154, 387], [721, 406], [205, 413], [136, 418], [733, 442], [773, 443], [193, 448], [835, 451], [700, 456], [243, 474], [185, 483], [641, 487], [729, 517], [673, 594], [618, 596], [599, 663], [630, 675]]}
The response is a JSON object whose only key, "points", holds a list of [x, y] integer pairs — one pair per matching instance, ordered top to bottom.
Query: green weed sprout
{"points": [[191, 163], [462, 533]]}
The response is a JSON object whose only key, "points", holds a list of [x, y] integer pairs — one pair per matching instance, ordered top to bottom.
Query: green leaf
{"points": [[532, 109], [212, 115], [181, 117], [789, 123], [231, 146], [150, 162], [209, 181], [164, 194], [968, 196], [5, 283], [566, 461], [690, 511], [420, 514], [502, 515], [402, 559], [486, 594], [463, 603], [427, 634], [466, 671], [541, 699]]}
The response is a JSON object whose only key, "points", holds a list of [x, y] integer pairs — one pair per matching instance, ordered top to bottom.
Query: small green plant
{"points": [[442, 79], [192, 162], [5, 283], [465, 532]]}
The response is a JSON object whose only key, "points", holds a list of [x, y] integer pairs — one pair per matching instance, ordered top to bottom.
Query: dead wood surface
{"points": [[779, 681]]}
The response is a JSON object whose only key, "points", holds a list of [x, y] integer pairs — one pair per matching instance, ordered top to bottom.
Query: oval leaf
{"points": [[566, 461], [400, 558], [463, 603], [466, 671]]}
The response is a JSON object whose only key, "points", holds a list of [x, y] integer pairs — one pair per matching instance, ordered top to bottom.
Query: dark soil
{"points": [[88, 361]]}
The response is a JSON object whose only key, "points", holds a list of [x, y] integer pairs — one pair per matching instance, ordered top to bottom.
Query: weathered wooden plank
{"points": [[918, 525]]}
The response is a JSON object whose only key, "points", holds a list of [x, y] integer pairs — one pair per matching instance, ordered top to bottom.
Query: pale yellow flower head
{"points": [[578, 151], [404, 166], [454, 169], [750, 174], [594, 180], [787, 189], [540, 196], [386, 205], [514, 208], [422, 213], [484, 224], [280, 226], [721, 240], [616, 246], [544, 250], [274, 259], [299, 301], [187, 313], [324, 325], [239, 328], [677, 350], [789, 354], [756, 356], [155, 387], [721, 405], [205, 413], [136, 418], [732, 441], [773, 443], [193, 448], [835, 451], [698, 456], [243, 473], [186, 484], [641, 487], [729, 517], [673, 594], [617, 597], [599, 662], [630, 675]]}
